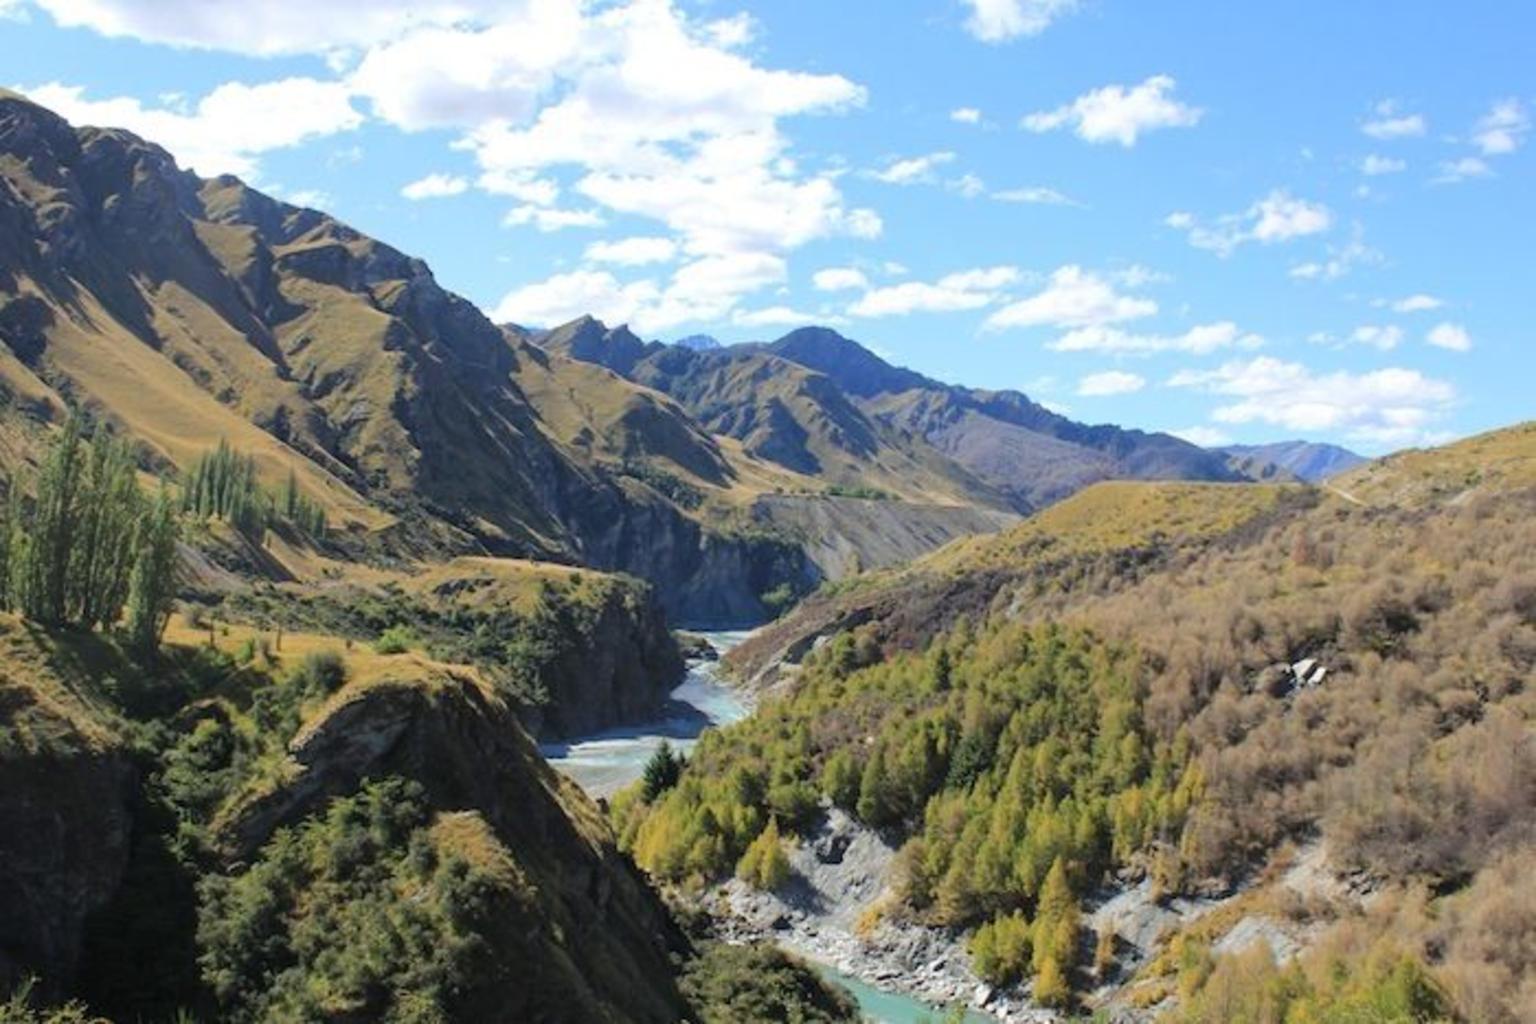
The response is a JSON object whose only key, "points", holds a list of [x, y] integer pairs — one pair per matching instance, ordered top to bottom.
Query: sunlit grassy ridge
{"points": [[1498, 460], [1112, 515]]}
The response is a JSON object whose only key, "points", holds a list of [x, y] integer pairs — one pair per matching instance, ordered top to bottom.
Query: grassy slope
{"points": [[1498, 460], [1110, 516], [1123, 525], [1412, 760]]}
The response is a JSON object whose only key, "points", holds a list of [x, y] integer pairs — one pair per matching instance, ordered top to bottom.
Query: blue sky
{"points": [[1236, 222]]}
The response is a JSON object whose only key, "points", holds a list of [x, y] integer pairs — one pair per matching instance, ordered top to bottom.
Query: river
{"points": [[606, 762], [881, 1007]]}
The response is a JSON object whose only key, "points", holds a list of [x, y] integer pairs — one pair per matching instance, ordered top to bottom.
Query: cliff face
{"points": [[596, 646], [66, 785]]}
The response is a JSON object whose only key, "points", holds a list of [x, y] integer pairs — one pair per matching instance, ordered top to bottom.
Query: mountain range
{"points": [[183, 310]]}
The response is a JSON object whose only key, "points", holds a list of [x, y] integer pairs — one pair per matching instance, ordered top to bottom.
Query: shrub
{"points": [[395, 640], [321, 673], [765, 864], [1000, 949]]}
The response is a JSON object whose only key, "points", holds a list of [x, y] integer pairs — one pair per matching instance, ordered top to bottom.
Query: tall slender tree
{"points": [[42, 568], [152, 586]]}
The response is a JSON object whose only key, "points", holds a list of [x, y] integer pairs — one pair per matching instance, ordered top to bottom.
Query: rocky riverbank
{"points": [[828, 912], [823, 914]]}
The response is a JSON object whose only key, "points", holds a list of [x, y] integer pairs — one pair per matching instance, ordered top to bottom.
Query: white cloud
{"points": [[997, 21], [267, 28], [447, 76], [642, 108], [650, 112], [1116, 113], [965, 115], [1388, 123], [228, 129], [1502, 129], [1375, 165], [1464, 169], [913, 170], [968, 185], [435, 186], [524, 186], [1038, 194], [312, 198], [1277, 217], [548, 218], [632, 252], [1341, 260], [1138, 276], [837, 279], [967, 289], [704, 290], [565, 297], [1073, 297], [1417, 303], [780, 316], [1450, 336], [1384, 337], [1199, 340], [1110, 382], [1387, 406], [1205, 437]]}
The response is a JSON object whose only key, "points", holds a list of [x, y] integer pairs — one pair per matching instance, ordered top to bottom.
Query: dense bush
{"points": [[765, 864], [358, 914], [759, 984]]}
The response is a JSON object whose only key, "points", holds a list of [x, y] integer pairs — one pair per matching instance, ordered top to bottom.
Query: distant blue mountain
{"points": [[698, 342], [1306, 460]]}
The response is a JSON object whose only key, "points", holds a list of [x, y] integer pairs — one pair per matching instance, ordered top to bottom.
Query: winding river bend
{"points": [[604, 763]]}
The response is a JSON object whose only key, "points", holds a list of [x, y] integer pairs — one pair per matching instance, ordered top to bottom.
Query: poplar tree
{"points": [[41, 566], [152, 587]]}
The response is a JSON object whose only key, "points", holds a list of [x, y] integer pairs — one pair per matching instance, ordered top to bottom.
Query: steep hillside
{"points": [[183, 311], [1303, 460], [1105, 536], [572, 651], [1175, 752], [66, 783], [464, 840]]}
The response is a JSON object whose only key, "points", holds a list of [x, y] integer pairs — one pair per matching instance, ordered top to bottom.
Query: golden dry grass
{"points": [[157, 403], [1498, 460], [1113, 515], [364, 665]]}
